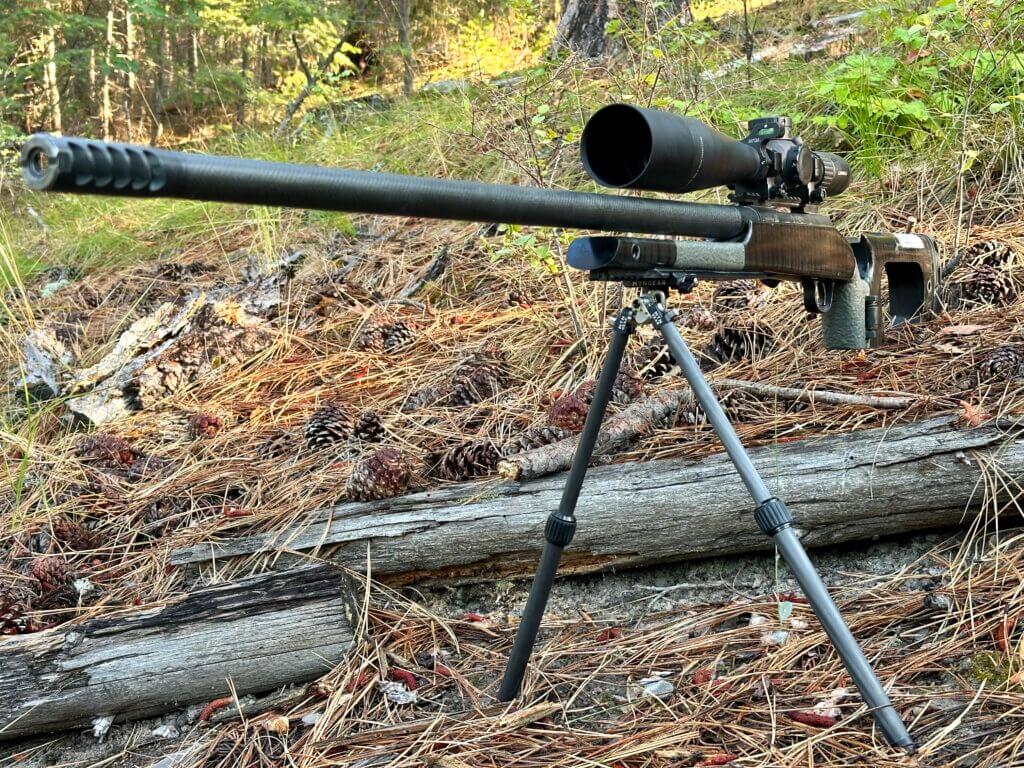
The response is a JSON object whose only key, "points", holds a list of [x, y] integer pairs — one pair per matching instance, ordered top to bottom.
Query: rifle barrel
{"points": [[67, 164]]}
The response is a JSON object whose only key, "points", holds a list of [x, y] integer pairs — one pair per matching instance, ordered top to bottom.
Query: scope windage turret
{"points": [[636, 148]]}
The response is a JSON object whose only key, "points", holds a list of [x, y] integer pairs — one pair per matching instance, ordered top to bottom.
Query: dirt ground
{"points": [[624, 598]]}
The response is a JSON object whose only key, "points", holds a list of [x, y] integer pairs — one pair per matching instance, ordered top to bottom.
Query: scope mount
{"points": [[792, 176]]}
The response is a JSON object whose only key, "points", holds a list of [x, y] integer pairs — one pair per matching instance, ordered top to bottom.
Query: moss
{"points": [[989, 668]]}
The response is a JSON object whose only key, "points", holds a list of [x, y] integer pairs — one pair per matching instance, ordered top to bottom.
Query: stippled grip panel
{"points": [[53, 163]]}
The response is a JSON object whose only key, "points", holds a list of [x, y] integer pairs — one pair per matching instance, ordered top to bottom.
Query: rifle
{"points": [[771, 231]]}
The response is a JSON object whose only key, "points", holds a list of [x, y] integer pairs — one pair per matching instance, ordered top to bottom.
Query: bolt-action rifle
{"points": [[771, 232]]}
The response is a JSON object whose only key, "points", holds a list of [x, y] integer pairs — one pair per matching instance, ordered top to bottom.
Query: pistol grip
{"points": [[844, 324]]}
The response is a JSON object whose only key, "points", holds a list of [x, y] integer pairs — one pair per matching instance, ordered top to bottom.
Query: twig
{"points": [[432, 271], [817, 396], [617, 431]]}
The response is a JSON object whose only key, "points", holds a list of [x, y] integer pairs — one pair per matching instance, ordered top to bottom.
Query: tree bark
{"points": [[582, 26], [581, 29], [405, 44], [193, 57], [129, 75], [50, 81], [160, 81], [94, 100], [105, 115], [240, 116], [856, 486], [249, 636]]}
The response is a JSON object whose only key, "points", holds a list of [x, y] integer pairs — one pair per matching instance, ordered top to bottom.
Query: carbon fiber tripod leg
{"points": [[774, 519], [561, 525]]}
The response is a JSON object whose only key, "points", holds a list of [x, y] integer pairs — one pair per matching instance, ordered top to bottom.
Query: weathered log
{"points": [[44, 361], [856, 486], [252, 635]]}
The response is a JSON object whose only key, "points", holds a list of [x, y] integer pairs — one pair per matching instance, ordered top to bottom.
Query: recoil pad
{"points": [[57, 164]]}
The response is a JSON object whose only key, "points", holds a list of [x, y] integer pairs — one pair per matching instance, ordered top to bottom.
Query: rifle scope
{"points": [[636, 148]]}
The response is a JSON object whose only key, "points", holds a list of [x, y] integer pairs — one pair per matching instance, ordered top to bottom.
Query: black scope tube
{"points": [[84, 166]]}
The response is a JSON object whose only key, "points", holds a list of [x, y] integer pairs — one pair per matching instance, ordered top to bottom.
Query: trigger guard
{"points": [[818, 295]]}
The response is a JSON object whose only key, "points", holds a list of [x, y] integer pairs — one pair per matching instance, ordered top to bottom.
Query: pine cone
{"points": [[985, 253], [176, 271], [988, 285], [328, 292], [733, 294], [517, 298], [699, 318], [384, 333], [739, 343], [654, 360], [1005, 362], [479, 377], [628, 387], [424, 398], [568, 412], [205, 425], [329, 425], [368, 427], [534, 438], [277, 445], [108, 451], [473, 458], [383, 474], [163, 515], [73, 536], [54, 583], [15, 602]]}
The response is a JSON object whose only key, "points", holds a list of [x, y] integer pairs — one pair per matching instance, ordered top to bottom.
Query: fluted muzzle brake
{"points": [[58, 164]]}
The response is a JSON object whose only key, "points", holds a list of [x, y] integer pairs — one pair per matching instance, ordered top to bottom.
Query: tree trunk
{"points": [[582, 26], [581, 29], [405, 44], [193, 57], [264, 73], [129, 75], [246, 78], [50, 81], [160, 83], [94, 99], [106, 118], [857, 486], [249, 636]]}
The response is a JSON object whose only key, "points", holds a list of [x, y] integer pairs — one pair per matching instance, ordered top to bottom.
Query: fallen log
{"points": [[843, 488], [249, 636]]}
